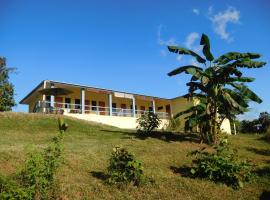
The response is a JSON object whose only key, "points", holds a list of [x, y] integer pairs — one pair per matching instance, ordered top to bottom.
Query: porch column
{"points": [[52, 97], [44, 98], [82, 100], [110, 104], [133, 106], [154, 106]]}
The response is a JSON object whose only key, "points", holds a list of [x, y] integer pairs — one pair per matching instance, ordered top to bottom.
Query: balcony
{"points": [[62, 108]]}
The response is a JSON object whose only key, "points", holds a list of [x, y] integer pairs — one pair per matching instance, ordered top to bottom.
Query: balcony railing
{"points": [[60, 108]]}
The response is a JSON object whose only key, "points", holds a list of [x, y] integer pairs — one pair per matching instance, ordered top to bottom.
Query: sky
{"points": [[122, 45]]}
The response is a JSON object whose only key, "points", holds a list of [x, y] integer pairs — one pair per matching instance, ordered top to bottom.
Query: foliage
{"points": [[219, 87], [6, 88], [264, 120], [148, 122], [174, 125], [259, 125], [267, 135], [220, 166], [124, 168], [37, 177], [9, 189]]}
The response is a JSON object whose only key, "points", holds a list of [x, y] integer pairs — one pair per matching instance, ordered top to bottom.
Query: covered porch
{"points": [[85, 100]]}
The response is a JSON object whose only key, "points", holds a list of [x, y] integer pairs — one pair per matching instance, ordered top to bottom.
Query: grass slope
{"points": [[88, 147]]}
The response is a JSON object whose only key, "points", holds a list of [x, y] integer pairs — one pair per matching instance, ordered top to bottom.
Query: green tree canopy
{"points": [[6, 88]]}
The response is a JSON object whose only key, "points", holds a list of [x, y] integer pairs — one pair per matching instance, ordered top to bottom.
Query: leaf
{"points": [[206, 47], [184, 51], [225, 58], [250, 64], [188, 69], [240, 79], [246, 92], [192, 171]]}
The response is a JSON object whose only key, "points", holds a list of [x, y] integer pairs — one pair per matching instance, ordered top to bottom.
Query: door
{"points": [[58, 102], [67, 103], [87, 106], [101, 107], [142, 108], [123, 109], [168, 110]]}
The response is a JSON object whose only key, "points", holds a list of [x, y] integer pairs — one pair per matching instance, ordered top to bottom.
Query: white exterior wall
{"points": [[120, 122], [226, 126]]}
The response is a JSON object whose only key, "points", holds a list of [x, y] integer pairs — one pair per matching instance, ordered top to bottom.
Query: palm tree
{"points": [[219, 85]]}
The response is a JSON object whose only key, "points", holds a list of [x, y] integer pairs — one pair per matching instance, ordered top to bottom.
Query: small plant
{"points": [[147, 123], [174, 125], [220, 166], [124, 168], [37, 177]]}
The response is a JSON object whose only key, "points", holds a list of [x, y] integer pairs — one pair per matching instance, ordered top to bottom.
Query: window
{"points": [[48, 102], [67, 102], [77, 104], [94, 105], [114, 108], [150, 108], [160, 108]]}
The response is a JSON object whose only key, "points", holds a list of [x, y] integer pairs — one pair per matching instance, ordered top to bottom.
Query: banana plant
{"points": [[219, 86]]}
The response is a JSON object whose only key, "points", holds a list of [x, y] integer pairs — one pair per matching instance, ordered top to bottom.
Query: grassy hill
{"points": [[88, 147]]}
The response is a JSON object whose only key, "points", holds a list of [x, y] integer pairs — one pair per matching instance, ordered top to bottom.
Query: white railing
{"points": [[60, 108]]}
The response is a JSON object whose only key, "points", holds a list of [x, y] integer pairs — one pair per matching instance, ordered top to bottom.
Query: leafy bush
{"points": [[147, 123], [174, 125], [267, 135], [220, 166], [124, 168], [37, 177], [9, 189]]}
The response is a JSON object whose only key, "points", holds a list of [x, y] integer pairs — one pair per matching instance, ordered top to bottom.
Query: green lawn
{"points": [[88, 147]]}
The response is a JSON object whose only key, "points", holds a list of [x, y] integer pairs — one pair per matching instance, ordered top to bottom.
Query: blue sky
{"points": [[121, 44]]}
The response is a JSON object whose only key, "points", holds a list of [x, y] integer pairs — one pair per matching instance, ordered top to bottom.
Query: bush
{"points": [[147, 123], [174, 125], [267, 135], [220, 166], [124, 168], [37, 177], [9, 189]]}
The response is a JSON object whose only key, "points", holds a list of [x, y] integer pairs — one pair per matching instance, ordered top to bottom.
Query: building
{"points": [[115, 108]]}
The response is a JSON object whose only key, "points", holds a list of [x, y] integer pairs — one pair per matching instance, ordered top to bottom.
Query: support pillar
{"points": [[44, 98], [52, 99], [82, 100], [110, 104], [154, 106], [133, 107]]}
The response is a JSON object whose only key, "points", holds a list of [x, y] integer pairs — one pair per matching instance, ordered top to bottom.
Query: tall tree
{"points": [[219, 85], [6, 88]]}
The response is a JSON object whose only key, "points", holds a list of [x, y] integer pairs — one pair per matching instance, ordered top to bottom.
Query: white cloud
{"points": [[210, 10], [196, 11], [222, 19], [191, 38], [170, 41], [163, 52], [179, 57]]}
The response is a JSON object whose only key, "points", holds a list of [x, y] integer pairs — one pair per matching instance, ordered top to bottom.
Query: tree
{"points": [[219, 86], [6, 88], [264, 119]]}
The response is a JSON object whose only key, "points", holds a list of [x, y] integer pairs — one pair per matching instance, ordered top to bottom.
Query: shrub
{"points": [[147, 123], [174, 125], [267, 135], [220, 166], [124, 168], [37, 177], [9, 189]]}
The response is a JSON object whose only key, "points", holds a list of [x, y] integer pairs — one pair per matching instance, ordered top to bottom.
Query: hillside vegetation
{"points": [[88, 147]]}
